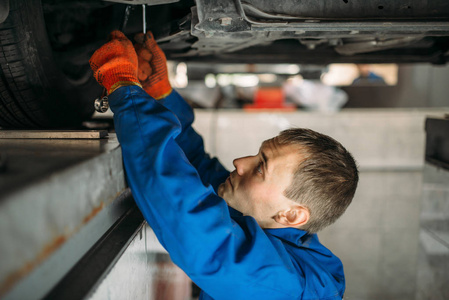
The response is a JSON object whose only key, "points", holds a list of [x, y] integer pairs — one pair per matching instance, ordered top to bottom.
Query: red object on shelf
{"points": [[269, 98]]}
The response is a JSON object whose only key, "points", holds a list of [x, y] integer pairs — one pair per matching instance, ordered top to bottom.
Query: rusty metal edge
{"points": [[91, 269], [34, 280]]}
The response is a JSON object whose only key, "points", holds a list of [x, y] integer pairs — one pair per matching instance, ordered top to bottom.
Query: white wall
{"points": [[378, 138]]}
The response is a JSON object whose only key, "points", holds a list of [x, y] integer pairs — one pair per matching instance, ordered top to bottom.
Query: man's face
{"points": [[256, 186]]}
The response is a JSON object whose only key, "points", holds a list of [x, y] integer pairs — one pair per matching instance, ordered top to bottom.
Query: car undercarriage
{"points": [[45, 45]]}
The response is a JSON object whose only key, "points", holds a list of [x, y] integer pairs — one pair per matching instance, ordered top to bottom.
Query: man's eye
{"points": [[259, 168]]}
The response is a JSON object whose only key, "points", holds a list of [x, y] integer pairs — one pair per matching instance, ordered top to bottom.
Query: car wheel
{"points": [[46, 82]]}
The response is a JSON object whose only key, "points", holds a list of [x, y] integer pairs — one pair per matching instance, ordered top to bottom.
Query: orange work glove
{"points": [[115, 63], [152, 73]]}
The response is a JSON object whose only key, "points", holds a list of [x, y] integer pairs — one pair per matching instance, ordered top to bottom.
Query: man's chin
{"points": [[220, 190], [222, 193]]}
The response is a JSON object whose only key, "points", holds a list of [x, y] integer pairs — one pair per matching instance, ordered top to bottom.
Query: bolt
{"points": [[101, 105]]}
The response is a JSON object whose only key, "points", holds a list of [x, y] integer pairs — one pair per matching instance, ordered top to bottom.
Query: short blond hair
{"points": [[326, 179]]}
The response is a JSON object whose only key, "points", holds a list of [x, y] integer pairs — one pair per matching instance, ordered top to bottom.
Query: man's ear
{"points": [[295, 216]]}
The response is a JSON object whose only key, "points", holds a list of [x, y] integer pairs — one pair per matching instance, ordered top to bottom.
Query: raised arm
{"points": [[154, 77], [210, 169]]}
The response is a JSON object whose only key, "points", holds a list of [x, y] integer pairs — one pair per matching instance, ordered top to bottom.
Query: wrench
{"points": [[101, 104]]}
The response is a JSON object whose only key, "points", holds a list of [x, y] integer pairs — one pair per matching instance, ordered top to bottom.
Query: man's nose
{"points": [[242, 164]]}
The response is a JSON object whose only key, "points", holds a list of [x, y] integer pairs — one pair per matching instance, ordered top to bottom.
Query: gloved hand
{"points": [[115, 63], [152, 73]]}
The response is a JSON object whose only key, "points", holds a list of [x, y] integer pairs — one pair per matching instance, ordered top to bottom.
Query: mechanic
{"points": [[248, 234]]}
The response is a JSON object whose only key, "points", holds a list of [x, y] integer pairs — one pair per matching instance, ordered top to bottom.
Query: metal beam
{"points": [[53, 134], [90, 270]]}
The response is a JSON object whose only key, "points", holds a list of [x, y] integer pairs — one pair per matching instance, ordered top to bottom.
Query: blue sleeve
{"points": [[210, 169], [228, 259]]}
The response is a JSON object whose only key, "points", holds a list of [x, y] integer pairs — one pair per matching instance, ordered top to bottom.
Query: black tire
{"points": [[35, 91]]}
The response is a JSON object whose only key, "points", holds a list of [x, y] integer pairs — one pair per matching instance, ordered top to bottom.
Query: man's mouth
{"points": [[230, 182]]}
